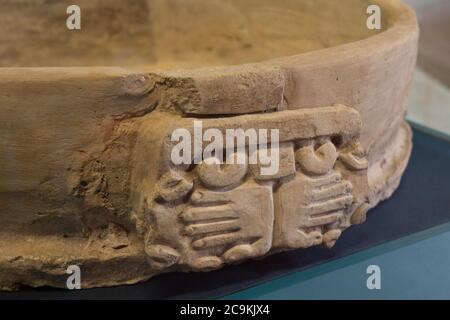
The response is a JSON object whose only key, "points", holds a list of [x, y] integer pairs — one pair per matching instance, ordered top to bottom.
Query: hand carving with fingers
{"points": [[324, 203], [310, 207], [309, 210], [201, 217], [229, 226], [204, 228]]}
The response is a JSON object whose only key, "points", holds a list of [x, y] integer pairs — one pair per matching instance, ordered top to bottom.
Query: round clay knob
{"points": [[317, 162], [214, 175]]}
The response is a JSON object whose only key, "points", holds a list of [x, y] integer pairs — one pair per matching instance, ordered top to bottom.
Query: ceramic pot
{"points": [[87, 120]]}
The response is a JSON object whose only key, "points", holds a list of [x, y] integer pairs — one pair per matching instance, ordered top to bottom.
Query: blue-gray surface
{"points": [[415, 267]]}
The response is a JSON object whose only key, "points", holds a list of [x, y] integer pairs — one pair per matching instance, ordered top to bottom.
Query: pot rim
{"points": [[403, 26]]}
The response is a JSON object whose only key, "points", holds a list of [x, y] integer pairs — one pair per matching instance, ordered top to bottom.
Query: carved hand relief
{"points": [[317, 205], [208, 214], [211, 228]]}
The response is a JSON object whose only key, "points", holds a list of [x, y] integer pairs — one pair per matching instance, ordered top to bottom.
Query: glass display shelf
{"points": [[413, 267]]}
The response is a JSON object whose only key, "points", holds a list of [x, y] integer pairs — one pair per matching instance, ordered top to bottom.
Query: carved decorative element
{"points": [[215, 175], [310, 208], [204, 216], [211, 228]]}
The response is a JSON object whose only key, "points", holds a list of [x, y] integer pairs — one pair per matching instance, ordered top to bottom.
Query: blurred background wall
{"points": [[434, 19], [430, 95]]}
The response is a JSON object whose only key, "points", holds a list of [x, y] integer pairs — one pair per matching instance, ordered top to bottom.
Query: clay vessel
{"points": [[86, 118]]}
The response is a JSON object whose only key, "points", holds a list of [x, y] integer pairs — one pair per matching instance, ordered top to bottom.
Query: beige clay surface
{"points": [[175, 33], [86, 119]]}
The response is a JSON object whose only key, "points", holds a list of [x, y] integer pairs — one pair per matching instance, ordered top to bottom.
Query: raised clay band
{"points": [[85, 171]]}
